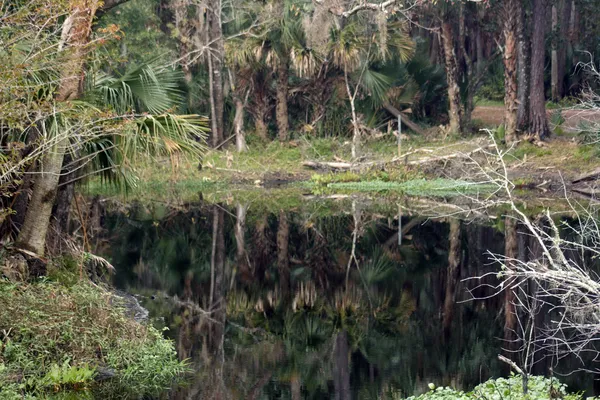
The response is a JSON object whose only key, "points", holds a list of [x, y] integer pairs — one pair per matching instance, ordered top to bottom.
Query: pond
{"points": [[319, 302]]}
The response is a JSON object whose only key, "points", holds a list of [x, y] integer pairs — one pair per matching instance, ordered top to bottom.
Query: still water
{"points": [[317, 303]]}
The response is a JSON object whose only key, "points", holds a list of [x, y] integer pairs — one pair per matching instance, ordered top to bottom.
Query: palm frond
{"points": [[148, 87]]}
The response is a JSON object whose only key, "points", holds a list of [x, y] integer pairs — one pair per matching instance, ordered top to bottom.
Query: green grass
{"points": [[417, 187], [54, 337]]}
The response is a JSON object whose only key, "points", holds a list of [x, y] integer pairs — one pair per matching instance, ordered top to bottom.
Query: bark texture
{"points": [[512, 13], [76, 35], [523, 73], [281, 111], [455, 112], [537, 113], [238, 124]]}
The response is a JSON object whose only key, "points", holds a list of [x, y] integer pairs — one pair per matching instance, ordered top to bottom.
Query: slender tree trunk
{"points": [[512, 13], [76, 36], [479, 44], [563, 46], [435, 49], [215, 62], [523, 73], [554, 91], [281, 111], [455, 112], [537, 113], [238, 123], [355, 127], [240, 240], [511, 251], [283, 258], [452, 274], [341, 373], [296, 387]]}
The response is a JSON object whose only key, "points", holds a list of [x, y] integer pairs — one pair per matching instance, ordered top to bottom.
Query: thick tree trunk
{"points": [[512, 12], [76, 35], [215, 63], [523, 73], [281, 111], [455, 112], [537, 113], [238, 123], [260, 126], [283, 258], [452, 274], [341, 368]]}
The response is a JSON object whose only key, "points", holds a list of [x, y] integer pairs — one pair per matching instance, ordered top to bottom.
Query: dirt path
{"points": [[575, 119]]}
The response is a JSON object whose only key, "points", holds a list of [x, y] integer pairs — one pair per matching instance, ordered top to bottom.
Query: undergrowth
{"points": [[56, 341], [511, 388]]}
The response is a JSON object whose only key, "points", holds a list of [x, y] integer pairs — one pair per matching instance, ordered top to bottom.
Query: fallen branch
{"points": [[589, 176]]}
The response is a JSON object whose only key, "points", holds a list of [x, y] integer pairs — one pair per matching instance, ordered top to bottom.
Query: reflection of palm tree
{"points": [[283, 258], [452, 273]]}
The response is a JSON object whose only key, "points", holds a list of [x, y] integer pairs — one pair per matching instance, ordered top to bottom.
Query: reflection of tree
{"points": [[253, 341]]}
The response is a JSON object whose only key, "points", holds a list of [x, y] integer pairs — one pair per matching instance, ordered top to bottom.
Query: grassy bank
{"points": [[226, 174], [61, 337]]}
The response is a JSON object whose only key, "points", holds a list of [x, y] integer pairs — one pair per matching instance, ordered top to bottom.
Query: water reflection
{"points": [[294, 306]]}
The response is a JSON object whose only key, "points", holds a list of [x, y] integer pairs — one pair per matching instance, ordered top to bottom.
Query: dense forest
{"points": [[266, 170]]}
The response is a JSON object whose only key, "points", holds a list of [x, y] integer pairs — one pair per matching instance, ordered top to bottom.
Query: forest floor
{"points": [[544, 171]]}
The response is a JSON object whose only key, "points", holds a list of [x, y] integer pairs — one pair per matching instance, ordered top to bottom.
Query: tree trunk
{"points": [[512, 12], [76, 35], [479, 44], [563, 46], [434, 50], [554, 56], [215, 65], [523, 73], [281, 111], [455, 112], [537, 113], [238, 123], [260, 126], [355, 127], [240, 240], [511, 251], [217, 258], [283, 259], [452, 274], [341, 373]]}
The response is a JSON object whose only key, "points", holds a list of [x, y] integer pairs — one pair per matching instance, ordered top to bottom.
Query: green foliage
{"points": [[530, 150], [434, 187], [55, 337], [538, 388]]}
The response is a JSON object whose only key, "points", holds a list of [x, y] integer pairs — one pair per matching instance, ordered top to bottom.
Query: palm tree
{"points": [[356, 51], [105, 124]]}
